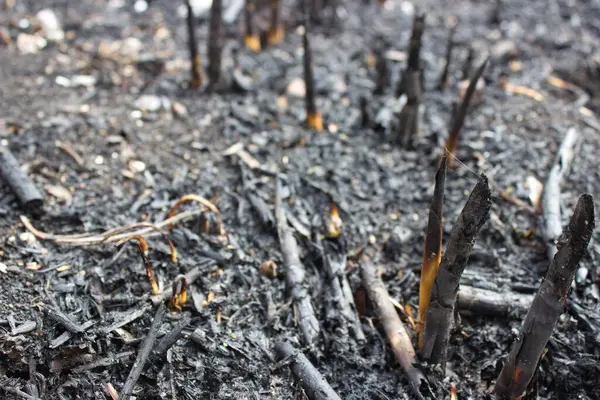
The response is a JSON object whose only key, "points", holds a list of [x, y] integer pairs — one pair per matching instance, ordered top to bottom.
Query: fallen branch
{"points": [[13, 175], [551, 195], [432, 255], [295, 273], [476, 301], [548, 303], [440, 313], [393, 326], [142, 357], [313, 383]]}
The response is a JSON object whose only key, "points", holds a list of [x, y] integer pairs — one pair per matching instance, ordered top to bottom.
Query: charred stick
{"points": [[276, 32], [251, 38], [214, 44], [449, 47], [414, 54], [195, 58], [409, 116], [313, 117], [458, 118], [17, 180], [551, 196], [432, 254], [334, 262], [295, 273], [476, 301], [548, 303], [440, 312], [63, 319], [393, 326], [170, 338], [145, 350], [313, 383]]}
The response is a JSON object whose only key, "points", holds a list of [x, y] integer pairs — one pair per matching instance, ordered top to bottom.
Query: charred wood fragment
{"points": [[215, 44], [449, 48], [414, 54], [196, 78], [409, 116], [313, 117], [458, 117], [12, 174], [551, 196], [432, 254], [295, 273], [548, 303], [440, 312], [63, 319], [393, 326], [171, 337], [144, 352], [313, 383]]}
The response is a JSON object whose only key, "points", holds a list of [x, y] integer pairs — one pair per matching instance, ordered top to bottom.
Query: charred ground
{"points": [[383, 193]]}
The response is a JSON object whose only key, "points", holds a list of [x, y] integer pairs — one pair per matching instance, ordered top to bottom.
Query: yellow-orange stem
{"points": [[314, 121]]}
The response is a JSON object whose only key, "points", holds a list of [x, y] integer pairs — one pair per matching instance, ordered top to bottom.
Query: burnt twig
{"points": [[214, 44], [195, 58], [458, 118], [17, 180], [551, 196], [432, 254], [295, 273], [190, 278], [443, 296], [548, 303], [63, 319], [393, 326], [171, 337], [145, 350], [315, 386]]}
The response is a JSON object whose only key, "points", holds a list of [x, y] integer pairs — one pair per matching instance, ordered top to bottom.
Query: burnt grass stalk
{"points": [[195, 59]]}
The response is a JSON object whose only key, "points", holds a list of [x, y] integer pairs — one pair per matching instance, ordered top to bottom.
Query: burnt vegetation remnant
{"points": [[297, 276]]}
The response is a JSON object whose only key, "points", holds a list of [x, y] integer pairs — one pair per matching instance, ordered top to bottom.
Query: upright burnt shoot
{"points": [[251, 38], [215, 44], [414, 54], [195, 59], [313, 117], [458, 117], [432, 255], [548, 303], [440, 313]]}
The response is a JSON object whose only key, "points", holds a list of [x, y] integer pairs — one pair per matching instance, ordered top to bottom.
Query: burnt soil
{"points": [[383, 193]]}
